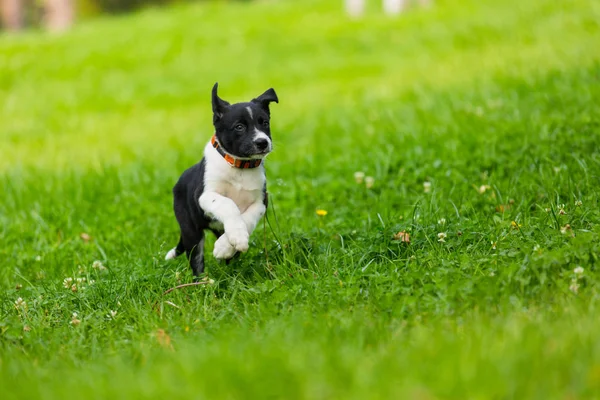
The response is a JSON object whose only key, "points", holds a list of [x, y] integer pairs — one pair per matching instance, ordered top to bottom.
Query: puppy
{"points": [[226, 192]]}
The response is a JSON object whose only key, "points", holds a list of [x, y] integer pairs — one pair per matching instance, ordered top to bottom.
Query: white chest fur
{"points": [[243, 186]]}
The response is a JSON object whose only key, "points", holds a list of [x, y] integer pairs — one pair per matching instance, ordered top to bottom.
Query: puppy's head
{"points": [[243, 129]]}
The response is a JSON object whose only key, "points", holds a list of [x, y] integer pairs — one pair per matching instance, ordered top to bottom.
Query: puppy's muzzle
{"points": [[262, 145]]}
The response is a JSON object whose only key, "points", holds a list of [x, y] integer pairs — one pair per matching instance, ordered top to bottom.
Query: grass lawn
{"points": [[479, 122]]}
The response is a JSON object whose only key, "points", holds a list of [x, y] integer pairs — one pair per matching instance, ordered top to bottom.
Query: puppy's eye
{"points": [[266, 124], [239, 127]]}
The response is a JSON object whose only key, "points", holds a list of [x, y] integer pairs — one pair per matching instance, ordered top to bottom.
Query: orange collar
{"points": [[234, 162]]}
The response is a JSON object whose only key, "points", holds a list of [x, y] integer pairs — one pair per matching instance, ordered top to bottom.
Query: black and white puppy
{"points": [[226, 192]]}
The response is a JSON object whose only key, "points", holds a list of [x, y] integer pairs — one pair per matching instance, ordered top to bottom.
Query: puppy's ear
{"points": [[264, 99], [218, 104]]}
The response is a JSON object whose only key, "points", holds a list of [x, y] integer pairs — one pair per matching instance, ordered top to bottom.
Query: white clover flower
{"points": [[359, 176], [369, 182], [426, 187], [483, 188], [578, 203], [442, 221], [565, 229], [441, 237], [98, 265], [578, 270], [208, 280], [67, 282], [574, 287], [20, 304], [74, 320]]}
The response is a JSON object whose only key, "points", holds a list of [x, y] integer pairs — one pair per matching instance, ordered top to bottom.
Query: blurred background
{"points": [[61, 14], [96, 83]]}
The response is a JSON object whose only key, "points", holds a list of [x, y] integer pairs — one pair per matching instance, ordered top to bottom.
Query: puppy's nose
{"points": [[261, 144]]}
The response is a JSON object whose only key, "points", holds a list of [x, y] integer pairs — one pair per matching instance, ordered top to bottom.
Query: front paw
{"points": [[238, 237], [223, 250]]}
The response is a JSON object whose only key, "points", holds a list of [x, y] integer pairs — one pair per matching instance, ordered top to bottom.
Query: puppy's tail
{"points": [[175, 251]]}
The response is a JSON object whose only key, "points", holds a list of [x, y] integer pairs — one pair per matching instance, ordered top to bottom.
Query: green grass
{"points": [[495, 105]]}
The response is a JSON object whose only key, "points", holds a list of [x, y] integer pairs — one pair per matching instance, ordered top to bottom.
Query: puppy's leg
{"points": [[225, 210], [252, 215], [191, 239], [194, 250], [223, 250]]}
